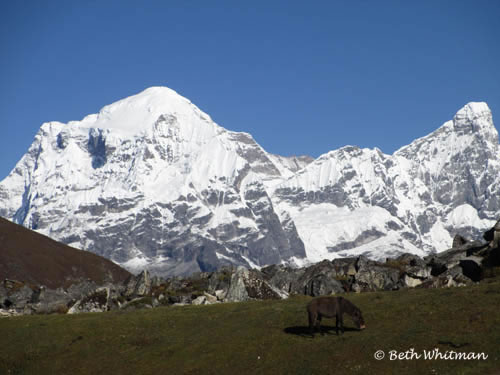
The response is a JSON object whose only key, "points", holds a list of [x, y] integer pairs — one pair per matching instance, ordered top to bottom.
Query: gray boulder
{"points": [[492, 236], [459, 241], [441, 262], [413, 269], [371, 275], [374, 277], [284, 278], [323, 278], [450, 278], [220, 279], [251, 284], [139, 285], [322, 285], [83, 288], [21, 297], [210, 299], [201, 300], [48, 301], [97, 301], [139, 303]]}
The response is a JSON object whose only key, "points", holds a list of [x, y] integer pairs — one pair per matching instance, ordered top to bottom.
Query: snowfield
{"points": [[152, 182]]}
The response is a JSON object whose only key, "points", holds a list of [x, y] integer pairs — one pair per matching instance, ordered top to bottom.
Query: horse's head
{"points": [[357, 318]]}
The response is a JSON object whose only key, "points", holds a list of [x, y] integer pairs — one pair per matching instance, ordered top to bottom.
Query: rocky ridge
{"points": [[152, 182], [465, 263]]}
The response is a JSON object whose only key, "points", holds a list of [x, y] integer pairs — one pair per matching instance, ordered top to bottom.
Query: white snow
{"points": [[158, 149], [466, 216]]}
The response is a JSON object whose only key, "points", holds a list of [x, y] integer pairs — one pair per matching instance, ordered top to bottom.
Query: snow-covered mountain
{"points": [[151, 181]]}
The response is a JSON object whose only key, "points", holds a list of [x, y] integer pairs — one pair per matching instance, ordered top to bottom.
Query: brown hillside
{"points": [[36, 259]]}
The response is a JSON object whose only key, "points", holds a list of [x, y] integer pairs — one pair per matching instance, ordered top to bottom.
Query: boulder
{"points": [[492, 236], [458, 241], [470, 251], [409, 260], [345, 267], [414, 270], [372, 276], [282, 277], [323, 278], [451, 278], [220, 279], [156, 281], [412, 282], [251, 284], [139, 285], [322, 285], [83, 288], [237, 289], [220, 294], [21, 297], [210, 298], [4, 300], [179, 300], [201, 300], [48, 301], [96, 301], [139, 303], [5, 313]]}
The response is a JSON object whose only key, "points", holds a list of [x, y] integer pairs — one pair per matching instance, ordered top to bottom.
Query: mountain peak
{"points": [[473, 110], [139, 112], [475, 118], [151, 181]]}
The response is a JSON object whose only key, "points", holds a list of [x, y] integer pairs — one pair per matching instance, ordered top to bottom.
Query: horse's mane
{"points": [[349, 307]]}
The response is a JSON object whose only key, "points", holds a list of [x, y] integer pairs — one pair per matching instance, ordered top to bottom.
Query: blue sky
{"points": [[301, 77]]}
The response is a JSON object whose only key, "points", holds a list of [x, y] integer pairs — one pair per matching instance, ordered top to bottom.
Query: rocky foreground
{"points": [[465, 263]]}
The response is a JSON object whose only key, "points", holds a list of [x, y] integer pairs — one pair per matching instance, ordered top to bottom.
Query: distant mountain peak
{"points": [[472, 111], [138, 113], [476, 118], [152, 182]]}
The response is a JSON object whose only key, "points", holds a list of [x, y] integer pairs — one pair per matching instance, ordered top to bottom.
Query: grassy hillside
{"points": [[28, 256], [262, 337]]}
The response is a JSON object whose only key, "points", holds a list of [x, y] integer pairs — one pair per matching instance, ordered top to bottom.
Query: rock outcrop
{"points": [[465, 263]]}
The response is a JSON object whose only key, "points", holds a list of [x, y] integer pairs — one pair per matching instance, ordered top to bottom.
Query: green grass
{"points": [[262, 337]]}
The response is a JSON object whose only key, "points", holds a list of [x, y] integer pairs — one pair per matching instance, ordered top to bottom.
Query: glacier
{"points": [[152, 182]]}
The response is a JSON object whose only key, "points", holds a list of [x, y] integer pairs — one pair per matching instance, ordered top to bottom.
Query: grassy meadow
{"points": [[263, 337]]}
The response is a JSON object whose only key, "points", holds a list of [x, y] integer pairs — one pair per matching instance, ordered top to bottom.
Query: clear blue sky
{"points": [[301, 77]]}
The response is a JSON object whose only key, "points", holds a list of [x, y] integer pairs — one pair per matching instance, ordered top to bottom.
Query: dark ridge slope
{"points": [[34, 258]]}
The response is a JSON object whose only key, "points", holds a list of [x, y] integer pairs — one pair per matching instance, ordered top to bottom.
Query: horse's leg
{"points": [[341, 320], [312, 322], [318, 323], [337, 324]]}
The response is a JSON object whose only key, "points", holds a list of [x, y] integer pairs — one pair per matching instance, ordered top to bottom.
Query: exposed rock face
{"points": [[152, 182], [186, 196], [356, 201], [458, 241], [461, 265], [458, 266], [371, 276], [249, 284], [139, 285], [46, 301], [95, 302]]}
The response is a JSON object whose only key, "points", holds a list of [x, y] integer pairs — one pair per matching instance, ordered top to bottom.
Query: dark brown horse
{"points": [[330, 307]]}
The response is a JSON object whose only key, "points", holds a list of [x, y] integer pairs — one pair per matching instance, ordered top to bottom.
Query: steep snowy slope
{"points": [[151, 181], [361, 201]]}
